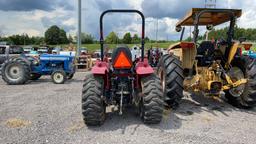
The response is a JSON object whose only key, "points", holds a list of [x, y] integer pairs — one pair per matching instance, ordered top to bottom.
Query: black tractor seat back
{"points": [[205, 48], [205, 52]]}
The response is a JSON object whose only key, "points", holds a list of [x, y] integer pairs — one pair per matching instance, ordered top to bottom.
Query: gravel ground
{"points": [[42, 112]]}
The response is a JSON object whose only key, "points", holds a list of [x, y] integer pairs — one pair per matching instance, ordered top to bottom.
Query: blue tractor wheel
{"points": [[59, 77]]}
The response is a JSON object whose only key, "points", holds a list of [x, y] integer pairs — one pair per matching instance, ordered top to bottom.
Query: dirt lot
{"points": [[41, 112]]}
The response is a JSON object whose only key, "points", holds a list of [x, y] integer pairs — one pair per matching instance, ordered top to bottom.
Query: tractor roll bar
{"points": [[122, 11], [230, 30], [182, 33]]}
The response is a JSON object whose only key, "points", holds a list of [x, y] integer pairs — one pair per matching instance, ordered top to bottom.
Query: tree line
{"points": [[249, 33], [52, 36], [56, 36], [112, 38], [23, 39]]}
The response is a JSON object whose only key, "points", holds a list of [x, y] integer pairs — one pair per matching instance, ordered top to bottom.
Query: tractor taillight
{"points": [[122, 61]]}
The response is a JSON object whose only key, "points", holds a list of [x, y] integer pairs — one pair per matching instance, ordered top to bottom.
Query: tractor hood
{"points": [[252, 54], [51, 57]]}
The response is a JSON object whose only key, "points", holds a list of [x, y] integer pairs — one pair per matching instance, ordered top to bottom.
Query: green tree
{"points": [[249, 34], [52, 35], [63, 37], [87, 38], [112, 38], [15, 39], [19, 39], [25, 39], [70, 39], [127, 39], [135, 39], [147, 39], [189, 39], [37, 40]]}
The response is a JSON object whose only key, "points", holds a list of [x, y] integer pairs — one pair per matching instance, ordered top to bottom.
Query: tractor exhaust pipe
{"points": [[121, 100]]}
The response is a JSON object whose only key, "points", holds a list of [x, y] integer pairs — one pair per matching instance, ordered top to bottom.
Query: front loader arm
{"points": [[232, 53], [232, 84]]}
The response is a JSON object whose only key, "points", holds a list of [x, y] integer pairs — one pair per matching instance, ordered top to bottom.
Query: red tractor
{"points": [[122, 82]]}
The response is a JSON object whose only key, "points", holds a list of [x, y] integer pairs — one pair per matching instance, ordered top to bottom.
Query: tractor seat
{"points": [[205, 47], [126, 51], [204, 53]]}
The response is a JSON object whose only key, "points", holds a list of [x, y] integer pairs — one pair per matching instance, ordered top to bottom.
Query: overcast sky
{"points": [[35, 16]]}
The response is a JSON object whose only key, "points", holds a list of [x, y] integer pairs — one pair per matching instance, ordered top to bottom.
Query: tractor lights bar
{"points": [[122, 11]]}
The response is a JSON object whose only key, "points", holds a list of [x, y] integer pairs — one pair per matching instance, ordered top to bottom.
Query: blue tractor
{"points": [[251, 54], [18, 68]]}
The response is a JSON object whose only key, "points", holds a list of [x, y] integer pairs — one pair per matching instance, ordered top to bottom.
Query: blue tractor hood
{"points": [[252, 54], [52, 57], [48, 63]]}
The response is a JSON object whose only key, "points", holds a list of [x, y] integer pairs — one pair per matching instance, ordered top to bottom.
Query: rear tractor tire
{"points": [[15, 71], [171, 75], [243, 96], [152, 105], [93, 107]]}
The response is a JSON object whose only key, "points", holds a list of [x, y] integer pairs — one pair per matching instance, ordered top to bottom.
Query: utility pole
{"points": [[79, 28], [157, 32]]}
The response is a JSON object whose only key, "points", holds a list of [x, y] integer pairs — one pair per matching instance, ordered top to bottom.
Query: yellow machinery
{"points": [[84, 62], [209, 66]]}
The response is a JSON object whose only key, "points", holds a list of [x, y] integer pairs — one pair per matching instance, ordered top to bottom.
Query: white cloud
{"points": [[33, 15], [248, 20], [70, 21], [35, 22], [14, 23], [33, 32]]}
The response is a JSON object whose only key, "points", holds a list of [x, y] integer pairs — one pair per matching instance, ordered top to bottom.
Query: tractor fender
{"points": [[181, 45], [232, 52], [24, 59], [100, 68], [143, 68]]}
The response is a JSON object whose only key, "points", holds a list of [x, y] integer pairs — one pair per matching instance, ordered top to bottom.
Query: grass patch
{"points": [[94, 47], [17, 123], [76, 127]]}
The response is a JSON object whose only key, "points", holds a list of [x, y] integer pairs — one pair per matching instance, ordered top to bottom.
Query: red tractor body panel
{"points": [[100, 68], [143, 68]]}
